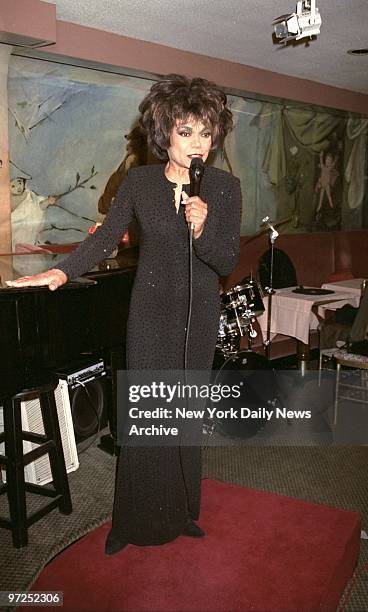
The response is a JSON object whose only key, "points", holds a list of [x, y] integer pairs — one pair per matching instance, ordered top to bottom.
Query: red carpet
{"points": [[262, 552]]}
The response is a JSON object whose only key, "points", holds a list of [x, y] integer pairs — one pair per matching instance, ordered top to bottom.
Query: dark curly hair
{"points": [[177, 97]]}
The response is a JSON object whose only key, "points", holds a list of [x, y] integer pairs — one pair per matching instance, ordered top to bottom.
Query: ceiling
{"points": [[239, 31]]}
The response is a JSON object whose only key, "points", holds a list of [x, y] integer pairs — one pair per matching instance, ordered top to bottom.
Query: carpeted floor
{"points": [[335, 476], [92, 487], [261, 552]]}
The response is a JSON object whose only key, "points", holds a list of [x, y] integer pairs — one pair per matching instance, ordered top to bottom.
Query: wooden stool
{"points": [[14, 461]]}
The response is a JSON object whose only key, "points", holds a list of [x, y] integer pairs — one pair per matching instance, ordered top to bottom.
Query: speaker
{"points": [[87, 386]]}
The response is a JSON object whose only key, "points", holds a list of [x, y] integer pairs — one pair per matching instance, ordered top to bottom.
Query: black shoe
{"points": [[193, 531], [113, 546]]}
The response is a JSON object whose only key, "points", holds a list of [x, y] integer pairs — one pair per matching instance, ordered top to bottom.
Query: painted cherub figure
{"points": [[327, 178]]}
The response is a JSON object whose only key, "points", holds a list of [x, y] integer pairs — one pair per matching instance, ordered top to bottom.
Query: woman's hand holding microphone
{"points": [[195, 213]]}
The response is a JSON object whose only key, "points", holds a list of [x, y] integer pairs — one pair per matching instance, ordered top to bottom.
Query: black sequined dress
{"points": [[158, 489]]}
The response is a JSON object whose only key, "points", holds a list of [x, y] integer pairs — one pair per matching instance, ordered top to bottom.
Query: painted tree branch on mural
{"points": [[34, 113], [18, 124], [20, 169], [80, 184], [74, 214], [52, 226]]}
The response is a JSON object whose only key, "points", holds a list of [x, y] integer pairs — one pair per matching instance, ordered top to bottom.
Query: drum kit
{"points": [[240, 306]]}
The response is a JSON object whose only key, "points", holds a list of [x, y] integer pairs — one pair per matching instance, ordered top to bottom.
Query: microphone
{"points": [[196, 171]]}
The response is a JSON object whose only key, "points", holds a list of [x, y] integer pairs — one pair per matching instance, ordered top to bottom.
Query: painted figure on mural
{"points": [[137, 154], [327, 178], [27, 212]]}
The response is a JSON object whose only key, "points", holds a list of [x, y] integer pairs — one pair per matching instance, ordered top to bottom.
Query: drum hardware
{"points": [[264, 229], [273, 234], [247, 296], [240, 306], [231, 332], [252, 332], [208, 427]]}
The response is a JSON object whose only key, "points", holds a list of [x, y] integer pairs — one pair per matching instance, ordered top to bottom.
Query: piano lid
{"points": [[15, 266]]}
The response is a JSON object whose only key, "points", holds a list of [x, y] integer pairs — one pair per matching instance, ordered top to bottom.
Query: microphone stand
{"points": [[270, 290]]}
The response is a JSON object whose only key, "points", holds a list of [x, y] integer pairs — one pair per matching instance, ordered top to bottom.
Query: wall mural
{"points": [[66, 137], [72, 137]]}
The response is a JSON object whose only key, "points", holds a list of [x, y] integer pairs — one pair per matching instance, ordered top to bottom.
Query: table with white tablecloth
{"points": [[350, 285], [295, 314]]}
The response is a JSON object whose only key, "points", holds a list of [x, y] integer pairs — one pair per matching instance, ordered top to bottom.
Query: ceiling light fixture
{"points": [[306, 22]]}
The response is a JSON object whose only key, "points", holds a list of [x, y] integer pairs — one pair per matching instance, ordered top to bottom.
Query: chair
{"points": [[353, 329], [333, 335], [327, 354], [359, 364], [14, 460]]}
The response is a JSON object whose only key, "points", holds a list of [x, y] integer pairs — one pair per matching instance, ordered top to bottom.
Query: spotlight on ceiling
{"points": [[305, 22]]}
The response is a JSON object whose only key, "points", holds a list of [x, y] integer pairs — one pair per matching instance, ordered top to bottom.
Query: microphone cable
{"points": [[196, 171], [190, 303]]}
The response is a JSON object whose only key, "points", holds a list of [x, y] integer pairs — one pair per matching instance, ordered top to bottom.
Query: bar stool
{"points": [[15, 459]]}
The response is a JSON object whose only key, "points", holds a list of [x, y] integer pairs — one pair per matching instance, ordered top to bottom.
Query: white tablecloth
{"points": [[352, 285], [292, 312]]}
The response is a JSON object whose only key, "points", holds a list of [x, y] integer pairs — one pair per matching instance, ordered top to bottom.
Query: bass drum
{"points": [[256, 389]]}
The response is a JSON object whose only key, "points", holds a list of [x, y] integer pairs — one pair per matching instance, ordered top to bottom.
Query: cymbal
{"points": [[283, 221], [266, 229]]}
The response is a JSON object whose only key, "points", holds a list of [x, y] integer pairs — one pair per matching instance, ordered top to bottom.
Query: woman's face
{"points": [[189, 139]]}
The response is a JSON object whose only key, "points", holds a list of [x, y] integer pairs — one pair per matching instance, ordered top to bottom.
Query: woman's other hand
{"points": [[195, 212], [52, 278]]}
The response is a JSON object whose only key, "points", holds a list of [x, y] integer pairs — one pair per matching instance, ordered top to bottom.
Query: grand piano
{"points": [[43, 331]]}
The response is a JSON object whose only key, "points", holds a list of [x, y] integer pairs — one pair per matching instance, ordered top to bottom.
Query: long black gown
{"points": [[158, 489]]}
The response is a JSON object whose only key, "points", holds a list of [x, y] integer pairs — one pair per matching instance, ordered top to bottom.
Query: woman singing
{"points": [[157, 494]]}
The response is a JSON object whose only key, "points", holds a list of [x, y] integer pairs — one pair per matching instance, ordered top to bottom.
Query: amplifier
{"points": [[82, 373], [87, 385]]}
